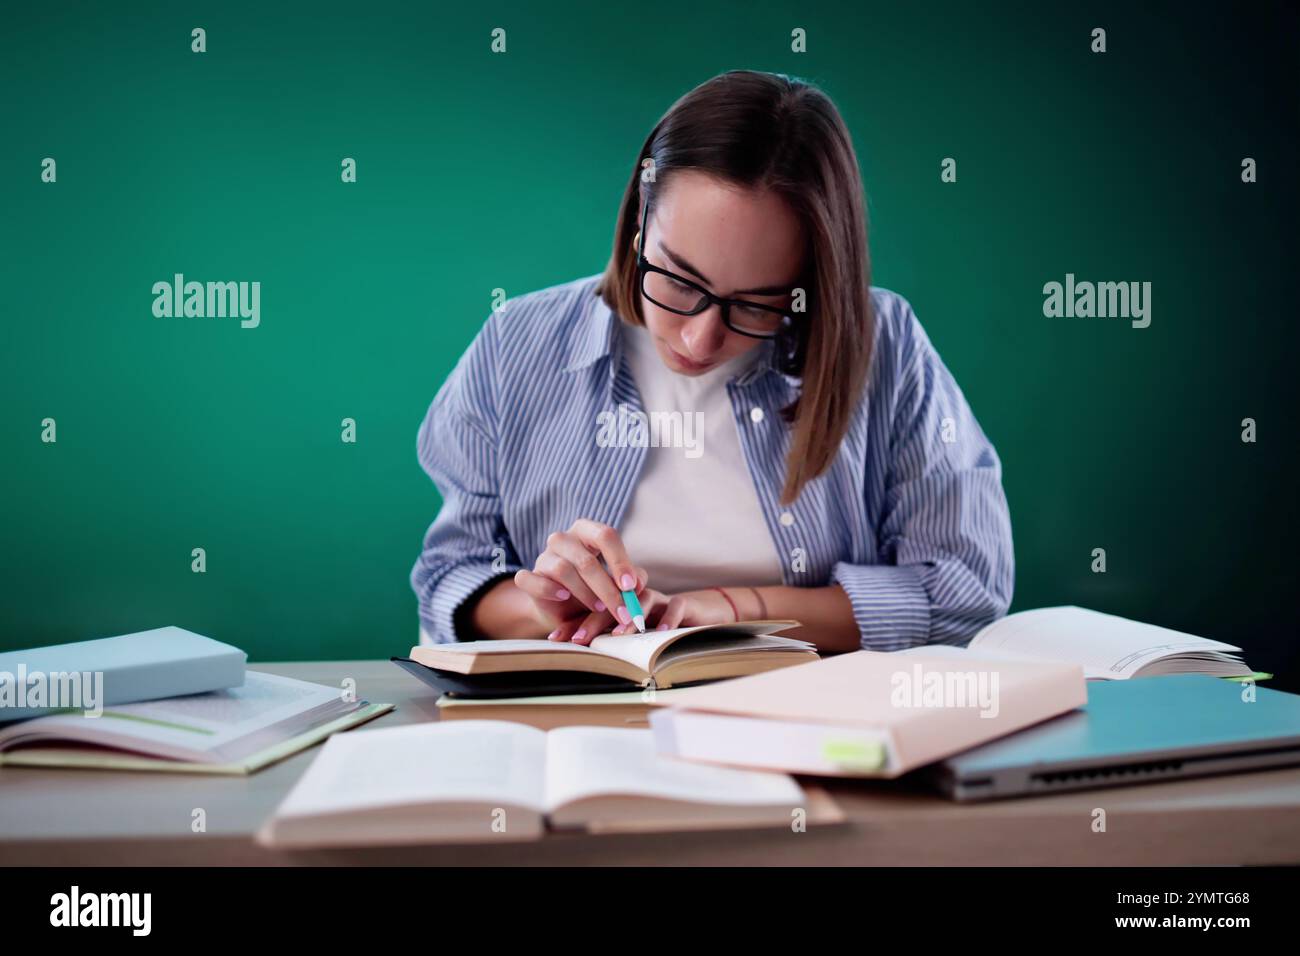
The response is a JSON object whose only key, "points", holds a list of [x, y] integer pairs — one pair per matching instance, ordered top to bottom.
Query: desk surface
{"points": [[91, 817]]}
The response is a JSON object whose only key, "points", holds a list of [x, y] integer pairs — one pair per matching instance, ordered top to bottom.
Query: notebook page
{"points": [[521, 645], [705, 645], [1106, 645], [637, 649], [642, 649], [487, 761], [596, 761]]}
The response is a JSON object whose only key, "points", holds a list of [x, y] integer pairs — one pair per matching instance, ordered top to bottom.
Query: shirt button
{"points": [[755, 415], [787, 519]]}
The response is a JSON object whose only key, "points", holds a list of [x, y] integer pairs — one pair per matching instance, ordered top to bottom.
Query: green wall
{"points": [[478, 171]]}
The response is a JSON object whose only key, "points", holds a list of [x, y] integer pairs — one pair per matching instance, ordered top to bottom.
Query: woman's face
{"points": [[730, 240]]}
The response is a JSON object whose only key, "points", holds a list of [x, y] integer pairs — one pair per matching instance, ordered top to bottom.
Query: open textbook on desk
{"points": [[1107, 646], [611, 662], [237, 730], [491, 781]]}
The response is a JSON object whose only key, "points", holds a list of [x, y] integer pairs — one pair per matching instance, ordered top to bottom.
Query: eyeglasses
{"points": [[680, 295]]}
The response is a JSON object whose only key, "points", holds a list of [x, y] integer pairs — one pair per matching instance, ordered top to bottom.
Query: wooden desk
{"points": [[85, 817]]}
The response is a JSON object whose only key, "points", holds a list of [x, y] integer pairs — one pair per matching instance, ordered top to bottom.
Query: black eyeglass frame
{"points": [[644, 266]]}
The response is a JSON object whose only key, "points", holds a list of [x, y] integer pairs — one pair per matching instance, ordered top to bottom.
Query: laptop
{"points": [[1133, 731]]}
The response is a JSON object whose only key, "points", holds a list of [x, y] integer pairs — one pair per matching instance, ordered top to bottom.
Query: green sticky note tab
{"points": [[1258, 675], [856, 755]]}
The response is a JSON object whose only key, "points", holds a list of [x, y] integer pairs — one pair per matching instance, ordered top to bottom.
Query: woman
{"points": [[729, 420]]}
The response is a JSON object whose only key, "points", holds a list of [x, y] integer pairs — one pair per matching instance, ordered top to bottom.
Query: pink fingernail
{"points": [[627, 582], [562, 594], [600, 605], [623, 614], [662, 627], [581, 633], [551, 636]]}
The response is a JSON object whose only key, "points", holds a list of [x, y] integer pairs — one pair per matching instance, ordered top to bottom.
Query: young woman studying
{"points": [[730, 420]]}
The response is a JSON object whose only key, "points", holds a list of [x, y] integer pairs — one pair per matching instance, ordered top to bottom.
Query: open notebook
{"points": [[1105, 645], [678, 656], [233, 731], [488, 781]]}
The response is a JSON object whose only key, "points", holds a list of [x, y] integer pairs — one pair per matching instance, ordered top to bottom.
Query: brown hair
{"points": [[767, 131]]}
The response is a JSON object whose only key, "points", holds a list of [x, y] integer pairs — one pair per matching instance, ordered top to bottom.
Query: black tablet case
{"points": [[503, 686]]}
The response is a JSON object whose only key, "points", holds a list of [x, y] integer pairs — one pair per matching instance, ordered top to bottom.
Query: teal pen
{"points": [[634, 608]]}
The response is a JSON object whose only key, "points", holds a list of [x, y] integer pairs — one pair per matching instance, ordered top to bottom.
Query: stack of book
{"points": [[166, 699]]}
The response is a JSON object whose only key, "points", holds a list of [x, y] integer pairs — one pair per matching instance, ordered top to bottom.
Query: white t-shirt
{"points": [[695, 520]]}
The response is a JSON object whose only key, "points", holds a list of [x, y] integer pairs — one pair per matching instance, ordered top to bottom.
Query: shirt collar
{"points": [[592, 338]]}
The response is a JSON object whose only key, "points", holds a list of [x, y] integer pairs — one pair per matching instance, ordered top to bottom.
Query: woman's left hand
{"points": [[663, 612]]}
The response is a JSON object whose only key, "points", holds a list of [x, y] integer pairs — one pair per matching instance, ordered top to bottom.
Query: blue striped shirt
{"points": [[910, 519]]}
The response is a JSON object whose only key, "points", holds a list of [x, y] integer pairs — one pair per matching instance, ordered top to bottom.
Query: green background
{"points": [[479, 171]]}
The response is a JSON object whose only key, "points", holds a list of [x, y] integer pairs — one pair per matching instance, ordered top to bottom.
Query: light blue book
{"points": [[150, 665]]}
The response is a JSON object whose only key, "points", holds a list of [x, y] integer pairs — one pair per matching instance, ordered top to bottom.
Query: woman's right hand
{"points": [[572, 592]]}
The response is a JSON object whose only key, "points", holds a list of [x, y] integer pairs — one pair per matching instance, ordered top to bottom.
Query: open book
{"points": [[1105, 645], [664, 658], [233, 731], [485, 780]]}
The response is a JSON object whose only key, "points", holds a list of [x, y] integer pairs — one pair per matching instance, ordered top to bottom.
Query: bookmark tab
{"points": [[855, 756]]}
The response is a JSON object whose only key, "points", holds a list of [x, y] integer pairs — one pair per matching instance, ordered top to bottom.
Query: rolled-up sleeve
{"points": [[467, 546], [946, 563]]}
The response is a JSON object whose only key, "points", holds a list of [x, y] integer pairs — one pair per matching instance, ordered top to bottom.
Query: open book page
{"points": [[706, 644], [521, 645], [1106, 645], [639, 650], [643, 650], [177, 726], [97, 758], [469, 761], [584, 762]]}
